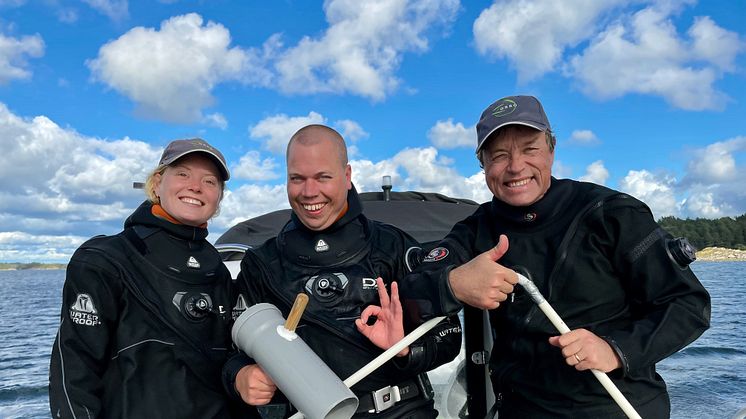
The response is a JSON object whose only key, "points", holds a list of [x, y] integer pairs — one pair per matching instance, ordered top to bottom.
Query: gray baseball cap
{"points": [[520, 110], [179, 148]]}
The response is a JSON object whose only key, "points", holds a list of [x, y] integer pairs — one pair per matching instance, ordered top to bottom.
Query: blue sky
{"points": [[648, 97]]}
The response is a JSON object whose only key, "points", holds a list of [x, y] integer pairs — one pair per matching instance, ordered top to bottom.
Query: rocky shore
{"points": [[721, 254], [15, 266]]}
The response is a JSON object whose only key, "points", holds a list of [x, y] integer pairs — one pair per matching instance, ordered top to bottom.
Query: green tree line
{"points": [[721, 232]]}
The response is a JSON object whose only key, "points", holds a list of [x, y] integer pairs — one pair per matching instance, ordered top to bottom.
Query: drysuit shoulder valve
{"points": [[681, 251]]}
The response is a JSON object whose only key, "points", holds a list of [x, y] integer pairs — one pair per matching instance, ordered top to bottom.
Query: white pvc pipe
{"points": [[604, 379]]}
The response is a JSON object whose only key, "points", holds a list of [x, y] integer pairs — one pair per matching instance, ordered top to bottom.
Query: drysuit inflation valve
{"points": [[681, 251], [193, 305]]}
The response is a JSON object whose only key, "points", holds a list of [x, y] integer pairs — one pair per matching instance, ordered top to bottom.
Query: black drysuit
{"points": [[602, 262], [337, 268], [144, 328]]}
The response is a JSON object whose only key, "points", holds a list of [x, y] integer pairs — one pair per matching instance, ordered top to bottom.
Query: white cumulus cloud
{"points": [[116, 10], [532, 36], [363, 47], [610, 51], [14, 54], [645, 54], [170, 73], [216, 120], [350, 130], [275, 131], [447, 135], [584, 137], [716, 163], [252, 167], [419, 169], [427, 171], [596, 173], [714, 179], [84, 184], [656, 191], [246, 202], [706, 204], [24, 247]]}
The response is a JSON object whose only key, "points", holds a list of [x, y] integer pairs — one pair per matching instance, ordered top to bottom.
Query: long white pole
{"points": [[392, 351], [604, 379]]}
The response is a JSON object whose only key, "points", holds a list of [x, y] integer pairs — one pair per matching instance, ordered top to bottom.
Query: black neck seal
{"points": [[540, 213], [143, 215], [337, 244]]}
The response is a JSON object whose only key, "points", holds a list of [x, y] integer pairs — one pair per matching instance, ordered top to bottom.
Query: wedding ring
{"points": [[576, 357]]}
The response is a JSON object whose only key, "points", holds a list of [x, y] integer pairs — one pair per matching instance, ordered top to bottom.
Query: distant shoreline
{"points": [[708, 254], [721, 254], [30, 266]]}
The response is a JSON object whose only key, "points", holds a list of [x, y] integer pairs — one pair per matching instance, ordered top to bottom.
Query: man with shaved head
{"points": [[344, 262]]}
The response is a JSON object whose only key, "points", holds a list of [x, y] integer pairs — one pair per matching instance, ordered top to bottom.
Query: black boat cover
{"points": [[426, 216]]}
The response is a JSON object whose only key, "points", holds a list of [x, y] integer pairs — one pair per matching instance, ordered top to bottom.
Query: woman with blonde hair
{"points": [[146, 313]]}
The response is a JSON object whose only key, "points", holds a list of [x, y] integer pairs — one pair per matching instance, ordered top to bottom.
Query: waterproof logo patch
{"points": [[504, 107], [321, 246], [439, 253], [193, 263], [239, 308], [84, 312]]}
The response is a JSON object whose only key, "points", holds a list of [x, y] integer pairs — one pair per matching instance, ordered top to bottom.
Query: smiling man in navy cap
{"points": [[619, 281]]}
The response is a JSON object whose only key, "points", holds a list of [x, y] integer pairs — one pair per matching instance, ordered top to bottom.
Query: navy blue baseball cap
{"points": [[511, 110]]}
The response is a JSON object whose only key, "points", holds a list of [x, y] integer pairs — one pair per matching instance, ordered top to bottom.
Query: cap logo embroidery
{"points": [[504, 107], [197, 144], [321, 246], [193, 263]]}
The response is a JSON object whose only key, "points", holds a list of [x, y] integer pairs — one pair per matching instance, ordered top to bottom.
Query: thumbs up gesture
{"points": [[482, 282]]}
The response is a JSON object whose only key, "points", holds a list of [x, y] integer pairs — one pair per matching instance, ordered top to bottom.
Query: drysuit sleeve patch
{"points": [[435, 255], [83, 312]]}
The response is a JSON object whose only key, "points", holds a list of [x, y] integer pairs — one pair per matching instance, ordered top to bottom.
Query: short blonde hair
{"points": [[150, 184]]}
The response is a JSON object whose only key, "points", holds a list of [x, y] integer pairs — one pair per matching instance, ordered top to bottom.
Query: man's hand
{"points": [[482, 282], [389, 325], [584, 350], [254, 385]]}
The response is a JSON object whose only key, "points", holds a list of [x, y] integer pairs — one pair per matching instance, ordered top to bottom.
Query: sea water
{"points": [[706, 380]]}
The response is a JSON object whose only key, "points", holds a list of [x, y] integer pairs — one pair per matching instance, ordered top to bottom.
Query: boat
{"points": [[428, 217]]}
